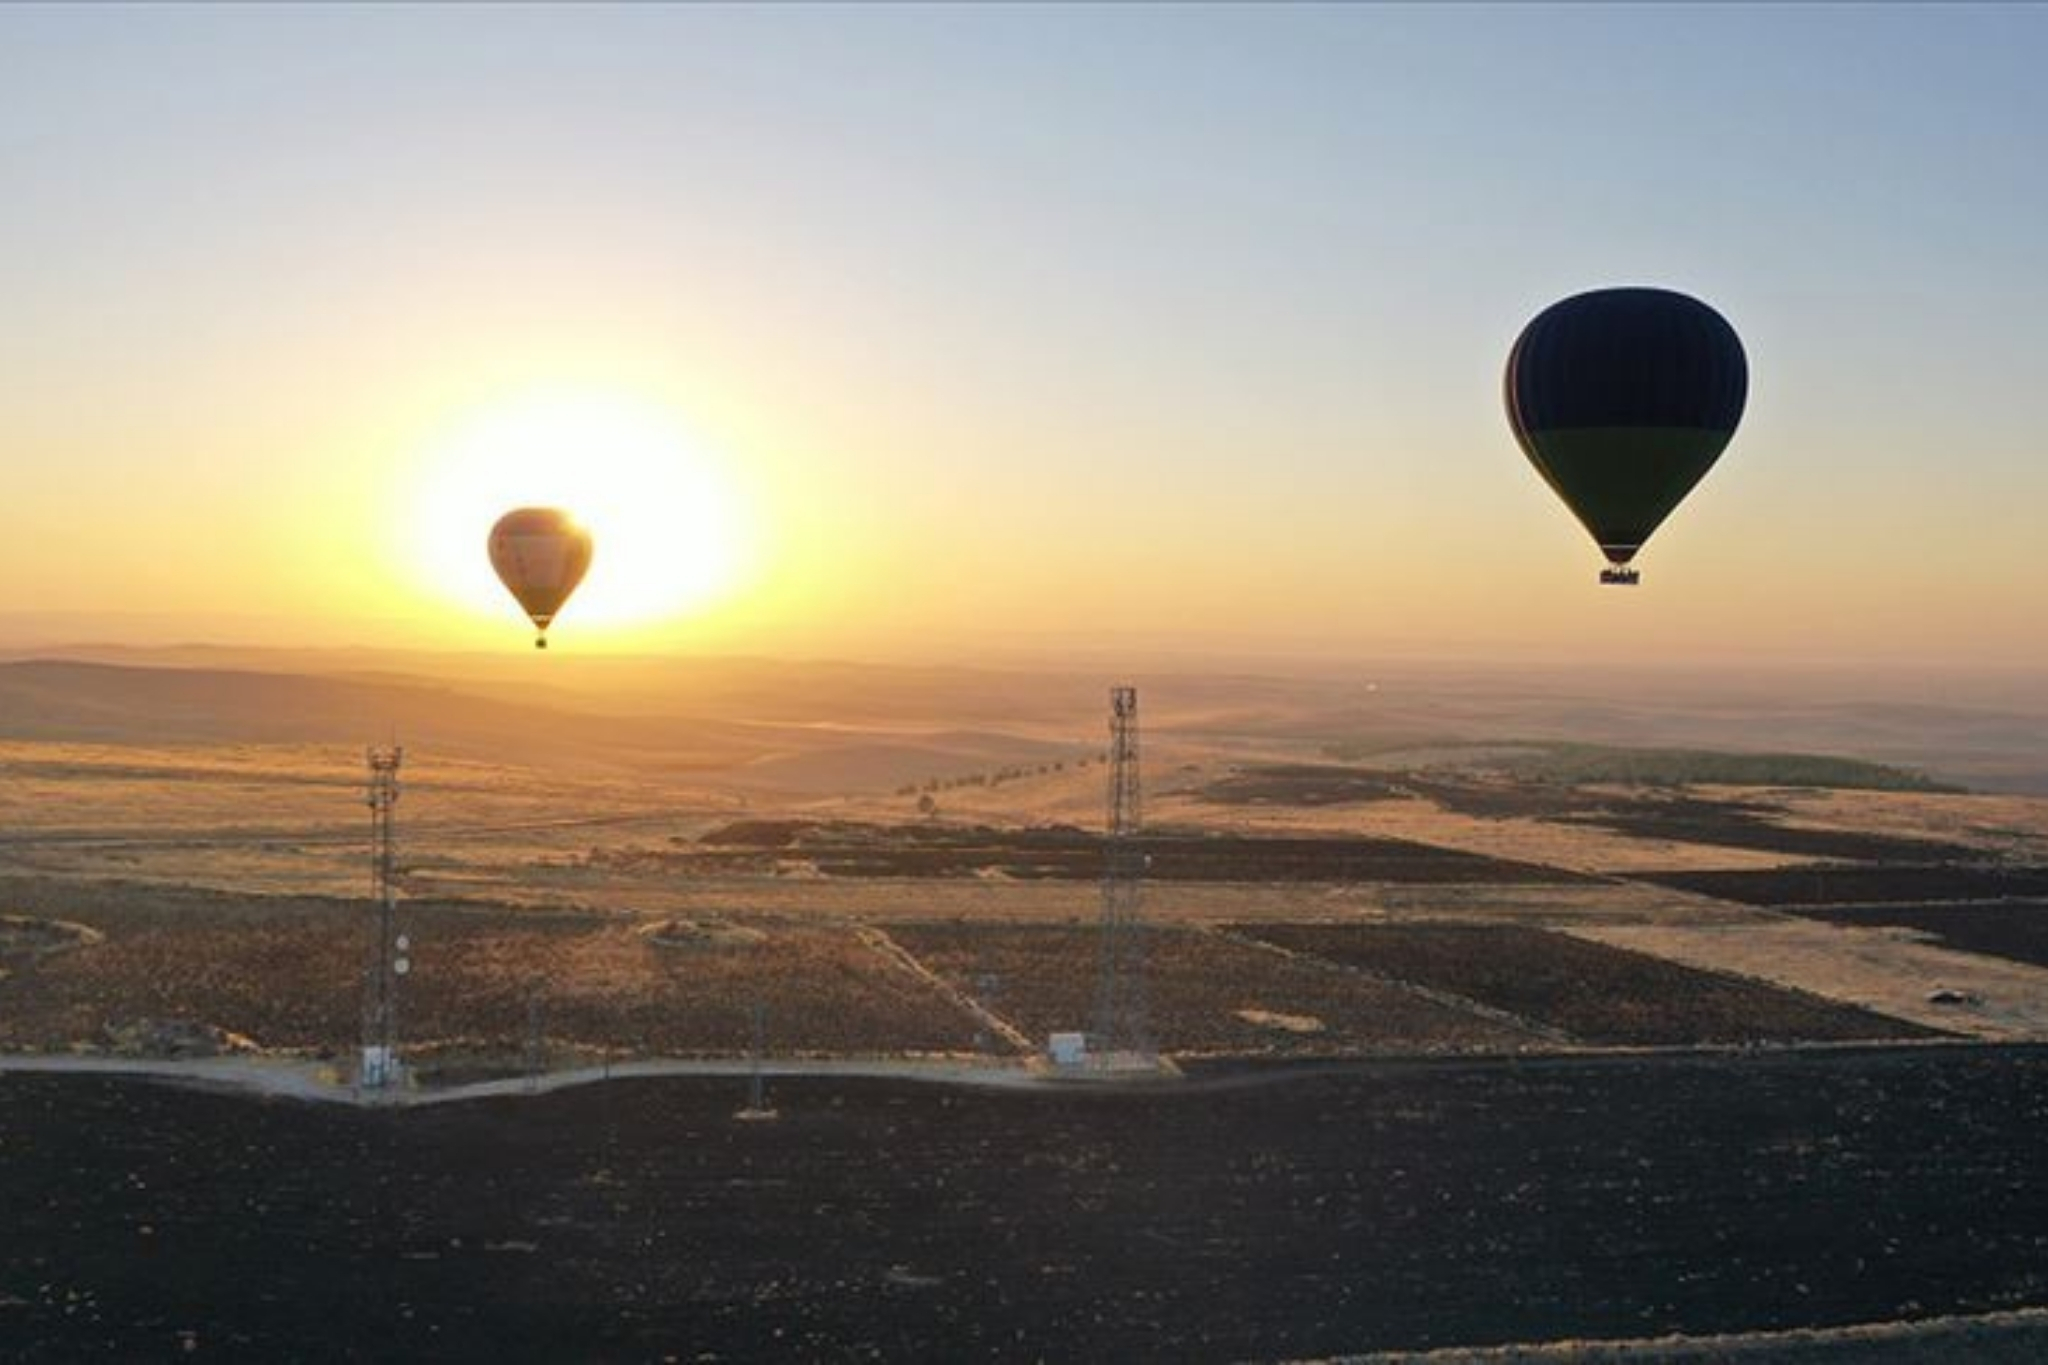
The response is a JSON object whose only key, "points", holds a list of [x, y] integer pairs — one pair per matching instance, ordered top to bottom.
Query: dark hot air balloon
{"points": [[1623, 399], [541, 554]]}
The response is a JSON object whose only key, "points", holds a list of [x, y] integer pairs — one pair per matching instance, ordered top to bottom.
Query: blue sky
{"points": [[1210, 299]]}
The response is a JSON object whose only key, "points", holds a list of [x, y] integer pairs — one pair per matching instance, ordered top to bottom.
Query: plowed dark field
{"points": [[1300, 784], [1645, 813], [1731, 825], [846, 849], [1849, 885], [2016, 930], [285, 973], [1589, 991], [1204, 993], [1398, 1205]]}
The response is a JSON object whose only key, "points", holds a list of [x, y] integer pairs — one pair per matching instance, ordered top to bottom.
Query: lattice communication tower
{"points": [[387, 959], [1122, 1034]]}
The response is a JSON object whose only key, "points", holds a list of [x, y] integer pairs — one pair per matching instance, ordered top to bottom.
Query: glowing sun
{"points": [[669, 531]]}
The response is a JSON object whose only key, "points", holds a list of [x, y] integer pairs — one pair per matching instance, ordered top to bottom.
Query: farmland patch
{"points": [[1850, 885], [2016, 930], [1590, 991], [1206, 993]]}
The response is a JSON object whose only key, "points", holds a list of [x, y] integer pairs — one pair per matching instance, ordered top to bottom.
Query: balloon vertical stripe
{"points": [[1623, 399]]}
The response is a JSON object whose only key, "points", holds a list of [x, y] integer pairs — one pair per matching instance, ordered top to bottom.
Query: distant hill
{"points": [[69, 701], [102, 703], [832, 725], [1564, 763], [1600, 763]]}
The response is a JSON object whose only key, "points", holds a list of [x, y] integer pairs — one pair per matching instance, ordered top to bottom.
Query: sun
{"points": [[671, 536]]}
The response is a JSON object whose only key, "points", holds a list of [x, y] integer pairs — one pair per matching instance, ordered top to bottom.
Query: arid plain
{"points": [[637, 858], [1461, 975]]}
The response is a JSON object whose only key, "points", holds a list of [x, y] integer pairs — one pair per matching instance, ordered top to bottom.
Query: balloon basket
{"points": [[1626, 578]]}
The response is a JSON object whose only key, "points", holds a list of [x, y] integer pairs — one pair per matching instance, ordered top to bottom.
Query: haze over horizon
{"points": [[926, 333]]}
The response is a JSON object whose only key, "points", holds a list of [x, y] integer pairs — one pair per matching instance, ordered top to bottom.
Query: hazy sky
{"points": [[952, 325]]}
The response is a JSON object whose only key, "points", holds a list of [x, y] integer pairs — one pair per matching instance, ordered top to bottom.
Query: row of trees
{"points": [[994, 778]]}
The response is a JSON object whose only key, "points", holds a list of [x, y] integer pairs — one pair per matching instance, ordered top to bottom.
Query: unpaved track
{"points": [[899, 956]]}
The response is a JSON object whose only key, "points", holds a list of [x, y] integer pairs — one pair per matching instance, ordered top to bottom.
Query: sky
{"points": [[934, 330]]}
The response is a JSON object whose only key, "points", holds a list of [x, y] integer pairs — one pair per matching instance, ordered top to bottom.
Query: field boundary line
{"points": [[882, 942]]}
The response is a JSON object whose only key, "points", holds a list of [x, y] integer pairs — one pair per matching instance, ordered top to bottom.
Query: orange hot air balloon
{"points": [[541, 554]]}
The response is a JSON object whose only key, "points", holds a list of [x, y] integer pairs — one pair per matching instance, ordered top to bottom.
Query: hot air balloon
{"points": [[1623, 399], [540, 554]]}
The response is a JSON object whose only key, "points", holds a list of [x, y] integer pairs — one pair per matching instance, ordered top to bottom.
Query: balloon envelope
{"points": [[1623, 399], [541, 554]]}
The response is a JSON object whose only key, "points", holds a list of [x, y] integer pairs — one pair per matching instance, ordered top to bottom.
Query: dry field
{"points": [[291, 818], [2008, 826], [1609, 829], [1588, 849], [242, 871], [2016, 930], [1876, 969], [285, 973], [1590, 992], [1204, 993], [1499, 1167]]}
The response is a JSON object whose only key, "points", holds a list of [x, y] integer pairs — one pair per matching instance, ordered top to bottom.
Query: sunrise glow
{"points": [[672, 534]]}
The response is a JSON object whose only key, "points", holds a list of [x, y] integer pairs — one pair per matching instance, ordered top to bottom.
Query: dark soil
{"points": [[1300, 784], [1497, 799], [1669, 814], [1688, 820], [1065, 853], [1840, 885], [2017, 930], [287, 973], [1198, 989], [1590, 991], [1391, 1206]]}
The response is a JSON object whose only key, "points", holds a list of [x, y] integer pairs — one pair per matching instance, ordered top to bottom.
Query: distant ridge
{"points": [[67, 700], [79, 702], [833, 725]]}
